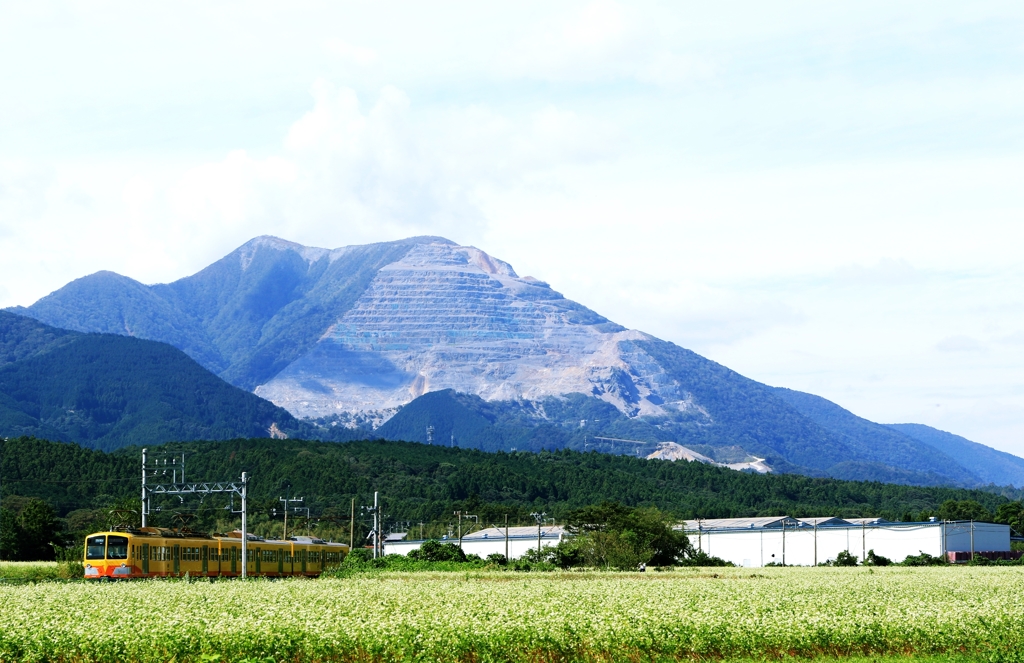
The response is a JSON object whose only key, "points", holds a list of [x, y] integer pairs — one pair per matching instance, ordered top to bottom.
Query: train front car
{"points": [[110, 555]]}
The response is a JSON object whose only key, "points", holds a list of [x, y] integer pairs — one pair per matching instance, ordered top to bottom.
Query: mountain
{"points": [[398, 336], [106, 391], [895, 456], [990, 465]]}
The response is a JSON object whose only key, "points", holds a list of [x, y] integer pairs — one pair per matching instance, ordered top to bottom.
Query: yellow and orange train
{"points": [[152, 552]]}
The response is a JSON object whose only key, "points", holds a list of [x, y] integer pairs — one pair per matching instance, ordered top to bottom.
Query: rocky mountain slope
{"points": [[398, 336]]}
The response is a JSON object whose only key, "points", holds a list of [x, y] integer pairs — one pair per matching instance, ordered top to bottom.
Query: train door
{"points": [[302, 555], [176, 556], [145, 558], [259, 558], [206, 560], [234, 560], [280, 562]]}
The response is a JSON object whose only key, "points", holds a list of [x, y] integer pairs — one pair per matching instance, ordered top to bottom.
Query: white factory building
{"points": [[810, 541], [513, 542]]}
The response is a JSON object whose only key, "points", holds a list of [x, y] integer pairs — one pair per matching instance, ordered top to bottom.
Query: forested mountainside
{"points": [[106, 391], [990, 465], [427, 483]]}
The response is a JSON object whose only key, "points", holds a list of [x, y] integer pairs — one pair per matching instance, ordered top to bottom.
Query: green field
{"points": [[30, 571], [687, 614]]}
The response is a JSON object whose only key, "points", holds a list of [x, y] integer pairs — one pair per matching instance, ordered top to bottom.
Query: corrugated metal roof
{"points": [[867, 521], [824, 522], [740, 523], [547, 531]]}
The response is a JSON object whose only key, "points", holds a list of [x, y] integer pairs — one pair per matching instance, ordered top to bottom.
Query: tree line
{"points": [[422, 486]]}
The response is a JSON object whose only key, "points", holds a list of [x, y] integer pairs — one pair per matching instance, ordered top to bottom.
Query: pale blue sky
{"points": [[821, 197]]}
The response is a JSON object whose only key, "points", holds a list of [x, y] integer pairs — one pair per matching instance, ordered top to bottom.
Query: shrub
{"points": [[435, 551], [568, 554], [497, 558], [701, 558], [844, 558], [924, 559], [876, 560]]}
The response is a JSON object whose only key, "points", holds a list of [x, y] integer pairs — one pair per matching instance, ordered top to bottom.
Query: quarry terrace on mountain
{"points": [[426, 340]]}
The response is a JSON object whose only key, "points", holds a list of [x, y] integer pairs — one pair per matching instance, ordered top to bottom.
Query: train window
{"points": [[94, 547], [117, 547]]}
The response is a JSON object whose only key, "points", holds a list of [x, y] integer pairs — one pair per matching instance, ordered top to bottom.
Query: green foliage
{"points": [[106, 391], [422, 483], [964, 510], [1012, 514], [30, 531], [612, 535], [9, 537], [435, 551], [569, 553], [497, 558], [701, 558], [844, 558], [923, 559], [876, 560], [19, 572]]}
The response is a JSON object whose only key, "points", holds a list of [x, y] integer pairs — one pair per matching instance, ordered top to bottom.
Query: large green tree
{"points": [[964, 510], [1012, 514], [614, 535]]}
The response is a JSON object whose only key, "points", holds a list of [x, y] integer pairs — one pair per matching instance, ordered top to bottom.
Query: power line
{"points": [[5, 480]]}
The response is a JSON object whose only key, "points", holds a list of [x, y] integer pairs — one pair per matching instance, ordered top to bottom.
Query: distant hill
{"points": [[106, 391], [895, 456], [990, 465]]}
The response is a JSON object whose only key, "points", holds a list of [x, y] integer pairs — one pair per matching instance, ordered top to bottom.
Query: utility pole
{"points": [[197, 488], [2, 494], [287, 500], [143, 508], [245, 510], [459, 514], [539, 517], [352, 526], [374, 534], [506, 537], [972, 539], [783, 542], [815, 542], [863, 542]]}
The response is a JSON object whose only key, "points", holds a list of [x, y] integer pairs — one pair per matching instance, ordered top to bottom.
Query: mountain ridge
{"points": [[355, 337]]}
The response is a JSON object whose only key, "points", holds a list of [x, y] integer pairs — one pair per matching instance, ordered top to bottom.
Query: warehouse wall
{"points": [[517, 546], [806, 547]]}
